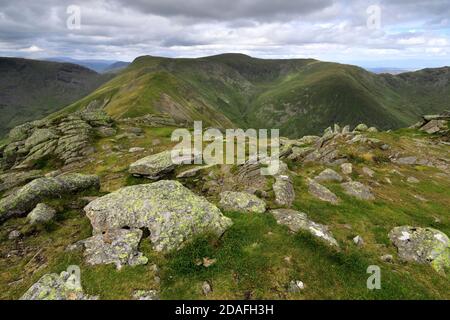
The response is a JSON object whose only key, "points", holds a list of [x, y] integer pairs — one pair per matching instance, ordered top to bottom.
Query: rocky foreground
{"points": [[85, 190]]}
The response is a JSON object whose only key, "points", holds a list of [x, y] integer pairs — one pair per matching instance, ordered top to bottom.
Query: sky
{"points": [[393, 34]]}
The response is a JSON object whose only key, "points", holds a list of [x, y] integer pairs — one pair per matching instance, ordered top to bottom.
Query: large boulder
{"points": [[153, 167], [11, 180], [358, 190], [319, 191], [25, 199], [241, 202], [171, 212], [296, 221], [422, 245], [118, 247], [64, 286]]}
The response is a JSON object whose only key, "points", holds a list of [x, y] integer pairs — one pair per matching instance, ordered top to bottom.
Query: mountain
{"points": [[98, 65], [116, 67], [388, 70], [31, 89], [299, 96]]}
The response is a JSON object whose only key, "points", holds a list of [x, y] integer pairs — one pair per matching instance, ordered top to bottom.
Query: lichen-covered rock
{"points": [[361, 127], [372, 129], [154, 166], [347, 168], [193, 172], [328, 175], [11, 180], [284, 190], [358, 190], [319, 191], [25, 199], [241, 202], [171, 212], [42, 213], [296, 221], [422, 245], [118, 246], [52, 286], [145, 295]]}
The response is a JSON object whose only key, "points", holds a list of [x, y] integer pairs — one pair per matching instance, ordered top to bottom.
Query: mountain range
{"points": [[299, 96]]}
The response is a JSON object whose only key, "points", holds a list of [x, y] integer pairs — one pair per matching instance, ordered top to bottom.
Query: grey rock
{"points": [[361, 127], [372, 129], [136, 149], [406, 160], [153, 167], [347, 168], [193, 172], [368, 172], [328, 175], [11, 180], [412, 180], [284, 190], [358, 190], [321, 192], [25, 199], [241, 202], [171, 212], [41, 214], [296, 221], [15, 234], [358, 240], [422, 245], [117, 246], [387, 258], [295, 286], [57, 287], [206, 288], [145, 295]]}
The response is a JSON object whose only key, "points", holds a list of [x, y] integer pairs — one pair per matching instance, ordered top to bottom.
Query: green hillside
{"points": [[30, 89], [299, 96]]}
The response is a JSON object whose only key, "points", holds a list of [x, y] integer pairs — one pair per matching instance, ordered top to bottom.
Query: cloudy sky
{"points": [[394, 33]]}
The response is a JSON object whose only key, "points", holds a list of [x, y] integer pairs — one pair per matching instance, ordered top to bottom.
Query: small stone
{"points": [[361, 127], [136, 150], [346, 168], [368, 172], [328, 175], [412, 180], [358, 190], [321, 192], [241, 202], [15, 234], [358, 240], [387, 258], [296, 286], [206, 288], [145, 295]]}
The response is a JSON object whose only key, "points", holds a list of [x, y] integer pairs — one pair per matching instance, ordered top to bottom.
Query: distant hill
{"points": [[98, 65], [388, 70], [31, 89], [299, 96]]}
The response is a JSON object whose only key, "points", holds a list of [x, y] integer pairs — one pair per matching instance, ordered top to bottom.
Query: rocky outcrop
{"points": [[435, 124], [68, 139], [13, 179], [358, 190], [319, 191], [25, 199], [241, 202], [171, 212], [42, 213], [296, 221], [422, 245], [117, 246], [64, 286]]}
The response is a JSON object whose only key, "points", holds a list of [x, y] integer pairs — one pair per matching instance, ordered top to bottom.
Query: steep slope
{"points": [[30, 89], [299, 96]]}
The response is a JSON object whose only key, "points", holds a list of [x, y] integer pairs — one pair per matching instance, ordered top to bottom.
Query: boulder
{"points": [[372, 129], [153, 167], [328, 175], [13, 179], [284, 190], [358, 190], [321, 192], [25, 199], [241, 202], [171, 212], [41, 214], [296, 221], [422, 245], [117, 246], [52, 286]]}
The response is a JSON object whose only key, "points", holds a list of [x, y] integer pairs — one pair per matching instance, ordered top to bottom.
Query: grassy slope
{"points": [[30, 89], [298, 96], [256, 258]]}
